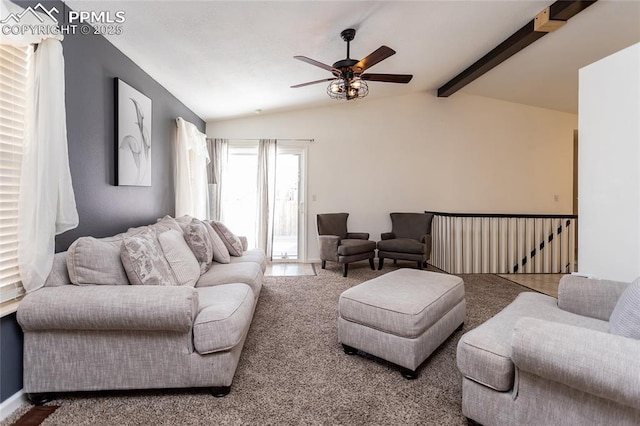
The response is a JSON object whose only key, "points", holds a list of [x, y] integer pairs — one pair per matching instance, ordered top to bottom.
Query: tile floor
{"points": [[290, 269], [544, 283]]}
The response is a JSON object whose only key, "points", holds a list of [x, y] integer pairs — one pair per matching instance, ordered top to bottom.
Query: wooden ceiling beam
{"points": [[558, 11]]}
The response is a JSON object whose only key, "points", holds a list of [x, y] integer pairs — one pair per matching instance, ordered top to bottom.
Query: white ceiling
{"points": [[227, 59]]}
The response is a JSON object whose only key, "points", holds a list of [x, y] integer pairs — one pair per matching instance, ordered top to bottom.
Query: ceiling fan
{"points": [[349, 80]]}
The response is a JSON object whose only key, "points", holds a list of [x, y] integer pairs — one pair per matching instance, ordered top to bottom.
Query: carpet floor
{"points": [[293, 370]]}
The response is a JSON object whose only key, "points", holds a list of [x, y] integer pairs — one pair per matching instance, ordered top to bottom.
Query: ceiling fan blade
{"points": [[380, 54], [317, 64], [388, 78], [311, 82]]}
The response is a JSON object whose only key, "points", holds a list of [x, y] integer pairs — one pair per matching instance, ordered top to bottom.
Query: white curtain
{"points": [[218, 151], [267, 151], [191, 171], [46, 202]]}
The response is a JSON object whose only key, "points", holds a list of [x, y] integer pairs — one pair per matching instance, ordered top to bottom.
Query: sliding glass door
{"points": [[239, 190], [240, 197]]}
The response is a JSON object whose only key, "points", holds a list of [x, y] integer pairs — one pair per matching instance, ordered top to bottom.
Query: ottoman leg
{"points": [[380, 263], [373, 268], [345, 269], [349, 350], [408, 374], [220, 391]]}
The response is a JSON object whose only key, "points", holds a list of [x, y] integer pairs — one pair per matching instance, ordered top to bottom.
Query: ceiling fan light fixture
{"points": [[353, 88]]}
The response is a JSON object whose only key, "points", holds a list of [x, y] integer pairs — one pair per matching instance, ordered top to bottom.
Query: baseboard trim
{"points": [[11, 404]]}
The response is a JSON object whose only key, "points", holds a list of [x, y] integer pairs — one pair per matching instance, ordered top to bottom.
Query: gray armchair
{"points": [[409, 239], [338, 245]]}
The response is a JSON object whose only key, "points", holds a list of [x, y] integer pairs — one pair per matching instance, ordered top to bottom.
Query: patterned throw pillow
{"points": [[183, 222], [228, 238], [200, 243], [220, 251], [181, 260], [144, 261], [625, 318]]}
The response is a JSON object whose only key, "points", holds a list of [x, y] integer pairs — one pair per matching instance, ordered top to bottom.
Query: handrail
{"points": [[517, 216]]}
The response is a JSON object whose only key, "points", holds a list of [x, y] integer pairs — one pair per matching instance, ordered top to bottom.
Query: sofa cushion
{"points": [[200, 243], [233, 243], [401, 245], [348, 247], [220, 251], [254, 255], [96, 261], [144, 261], [183, 263], [240, 272], [224, 316], [625, 318], [484, 353]]}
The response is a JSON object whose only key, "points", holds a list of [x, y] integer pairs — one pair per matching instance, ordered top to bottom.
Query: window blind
{"points": [[14, 63]]}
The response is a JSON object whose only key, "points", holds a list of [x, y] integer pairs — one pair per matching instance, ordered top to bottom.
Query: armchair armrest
{"points": [[358, 235], [387, 236], [426, 239], [329, 247], [589, 297], [109, 307], [594, 362]]}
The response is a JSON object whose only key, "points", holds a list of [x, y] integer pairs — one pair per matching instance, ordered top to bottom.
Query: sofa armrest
{"points": [[358, 235], [387, 236], [245, 243], [329, 247], [589, 297], [109, 307], [594, 362]]}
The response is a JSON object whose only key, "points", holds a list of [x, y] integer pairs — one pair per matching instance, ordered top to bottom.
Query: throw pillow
{"points": [[183, 222], [165, 224], [229, 239], [200, 244], [220, 251], [181, 260], [93, 261], [144, 261], [625, 318]]}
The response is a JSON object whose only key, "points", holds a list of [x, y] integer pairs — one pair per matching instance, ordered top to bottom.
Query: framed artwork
{"points": [[133, 136]]}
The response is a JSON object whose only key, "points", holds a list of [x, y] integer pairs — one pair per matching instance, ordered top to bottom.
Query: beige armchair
{"points": [[338, 245], [564, 361]]}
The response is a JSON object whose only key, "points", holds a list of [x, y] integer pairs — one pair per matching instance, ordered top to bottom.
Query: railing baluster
{"points": [[499, 243]]}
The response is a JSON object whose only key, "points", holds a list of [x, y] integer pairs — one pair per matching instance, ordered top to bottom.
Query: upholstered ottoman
{"points": [[402, 316]]}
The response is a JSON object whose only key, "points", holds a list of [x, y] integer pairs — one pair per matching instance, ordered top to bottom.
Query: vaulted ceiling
{"points": [[230, 58]]}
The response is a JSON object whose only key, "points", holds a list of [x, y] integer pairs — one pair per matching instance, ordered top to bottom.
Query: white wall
{"points": [[419, 152], [609, 157]]}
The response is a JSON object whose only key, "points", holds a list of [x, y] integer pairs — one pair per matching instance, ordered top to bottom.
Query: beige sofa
{"points": [[103, 337], [547, 361]]}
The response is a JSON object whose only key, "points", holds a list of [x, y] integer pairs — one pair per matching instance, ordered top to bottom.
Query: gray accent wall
{"points": [[91, 64]]}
